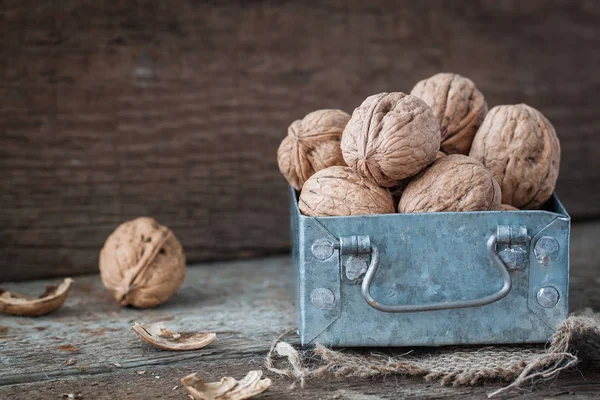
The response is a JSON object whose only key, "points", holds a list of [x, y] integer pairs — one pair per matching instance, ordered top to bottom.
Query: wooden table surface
{"points": [[248, 304]]}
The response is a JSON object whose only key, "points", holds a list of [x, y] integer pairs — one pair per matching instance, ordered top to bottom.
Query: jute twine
{"points": [[576, 340]]}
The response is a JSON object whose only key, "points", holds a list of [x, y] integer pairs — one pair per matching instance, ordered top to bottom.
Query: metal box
{"points": [[431, 279]]}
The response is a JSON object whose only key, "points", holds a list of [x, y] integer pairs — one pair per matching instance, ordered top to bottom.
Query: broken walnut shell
{"points": [[458, 107], [390, 137], [312, 144], [519, 145], [453, 183], [338, 191], [142, 263], [24, 306], [158, 335], [228, 388]]}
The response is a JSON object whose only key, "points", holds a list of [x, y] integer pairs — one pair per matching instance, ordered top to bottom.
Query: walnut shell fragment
{"points": [[458, 107], [390, 137], [312, 144], [519, 145], [452, 183], [338, 191], [142, 263], [52, 299], [158, 335], [228, 388]]}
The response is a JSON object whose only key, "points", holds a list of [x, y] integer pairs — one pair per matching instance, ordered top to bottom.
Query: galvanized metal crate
{"points": [[431, 279]]}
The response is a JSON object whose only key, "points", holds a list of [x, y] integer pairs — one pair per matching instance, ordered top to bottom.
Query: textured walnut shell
{"points": [[458, 106], [390, 137], [312, 144], [519, 145], [452, 183], [397, 189], [338, 191], [508, 207], [142, 263], [17, 304], [158, 335], [228, 388]]}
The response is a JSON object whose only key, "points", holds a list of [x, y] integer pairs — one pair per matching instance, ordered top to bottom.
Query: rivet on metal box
{"points": [[431, 279]]}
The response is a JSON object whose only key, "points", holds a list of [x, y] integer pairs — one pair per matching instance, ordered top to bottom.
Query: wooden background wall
{"points": [[114, 109]]}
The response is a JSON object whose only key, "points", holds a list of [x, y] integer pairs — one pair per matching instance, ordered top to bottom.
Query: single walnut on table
{"points": [[458, 106], [390, 137], [312, 144], [519, 145], [453, 183], [339, 191], [142, 263]]}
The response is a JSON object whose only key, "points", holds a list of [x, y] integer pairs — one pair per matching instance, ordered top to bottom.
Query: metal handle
{"points": [[491, 247]]}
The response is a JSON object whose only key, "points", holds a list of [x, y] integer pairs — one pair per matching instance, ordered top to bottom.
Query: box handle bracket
{"points": [[360, 244]]}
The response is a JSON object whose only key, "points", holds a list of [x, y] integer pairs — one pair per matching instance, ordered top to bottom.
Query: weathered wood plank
{"points": [[111, 110], [584, 278], [235, 303], [248, 304], [128, 385]]}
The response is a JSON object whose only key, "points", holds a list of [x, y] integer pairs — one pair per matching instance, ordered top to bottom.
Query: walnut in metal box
{"points": [[431, 279]]}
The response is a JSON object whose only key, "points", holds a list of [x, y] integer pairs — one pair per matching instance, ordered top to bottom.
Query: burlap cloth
{"points": [[576, 340]]}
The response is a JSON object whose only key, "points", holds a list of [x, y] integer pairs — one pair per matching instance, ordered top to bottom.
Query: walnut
{"points": [[458, 106], [390, 137], [312, 144], [519, 145], [452, 183], [397, 189], [337, 191], [508, 207], [142, 263], [52, 299], [158, 335], [228, 388]]}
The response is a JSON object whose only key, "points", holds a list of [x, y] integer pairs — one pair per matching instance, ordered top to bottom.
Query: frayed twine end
{"points": [[577, 335]]}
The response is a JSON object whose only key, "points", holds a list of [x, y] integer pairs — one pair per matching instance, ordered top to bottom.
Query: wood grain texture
{"points": [[114, 110], [248, 304]]}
